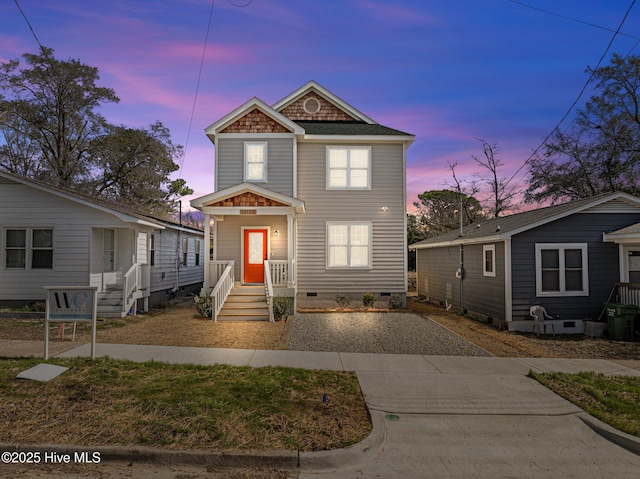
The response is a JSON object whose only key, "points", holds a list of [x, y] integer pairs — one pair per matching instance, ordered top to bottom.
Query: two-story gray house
{"points": [[309, 195]]}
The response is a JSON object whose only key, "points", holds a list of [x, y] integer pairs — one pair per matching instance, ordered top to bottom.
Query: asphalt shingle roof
{"points": [[347, 128], [505, 225]]}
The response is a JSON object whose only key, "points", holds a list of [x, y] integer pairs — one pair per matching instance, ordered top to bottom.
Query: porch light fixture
{"points": [[384, 208], [276, 233]]}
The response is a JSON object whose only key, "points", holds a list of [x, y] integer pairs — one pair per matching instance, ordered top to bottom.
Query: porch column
{"points": [[291, 248], [207, 251]]}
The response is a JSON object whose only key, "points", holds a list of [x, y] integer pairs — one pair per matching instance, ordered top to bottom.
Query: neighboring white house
{"points": [[311, 191], [53, 237]]}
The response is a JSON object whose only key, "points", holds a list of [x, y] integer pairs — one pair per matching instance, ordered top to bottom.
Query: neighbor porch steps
{"points": [[245, 303]]}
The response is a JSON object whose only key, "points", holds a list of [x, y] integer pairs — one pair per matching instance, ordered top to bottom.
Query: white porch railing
{"points": [[216, 268], [279, 271], [130, 285], [223, 287], [268, 288], [628, 293]]}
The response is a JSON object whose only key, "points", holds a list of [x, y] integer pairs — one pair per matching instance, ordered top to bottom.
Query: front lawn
{"points": [[612, 399], [221, 408]]}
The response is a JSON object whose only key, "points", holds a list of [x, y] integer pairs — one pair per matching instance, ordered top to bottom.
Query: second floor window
{"points": [[255, 161], [348, 167]]}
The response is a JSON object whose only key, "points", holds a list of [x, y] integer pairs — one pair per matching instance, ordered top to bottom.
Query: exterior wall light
{"points": [[384, 208], [276, 233]]}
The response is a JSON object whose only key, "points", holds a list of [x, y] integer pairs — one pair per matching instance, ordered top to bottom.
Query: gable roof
{"points": [[315, 87], [252, 104], [361, 125], [218, 196], [122, 213], [502, 228]]}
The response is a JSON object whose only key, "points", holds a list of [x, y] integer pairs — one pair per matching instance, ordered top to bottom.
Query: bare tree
{"points": [[503, 194]]}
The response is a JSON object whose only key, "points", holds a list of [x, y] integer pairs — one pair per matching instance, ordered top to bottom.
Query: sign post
{"points": [[71, 304]]}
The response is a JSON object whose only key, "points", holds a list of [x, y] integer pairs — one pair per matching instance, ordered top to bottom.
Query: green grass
{"points": [[612, 399], [104, 401]]}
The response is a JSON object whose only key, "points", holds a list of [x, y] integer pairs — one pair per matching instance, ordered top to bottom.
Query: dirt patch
{"points": [[511, 344]]}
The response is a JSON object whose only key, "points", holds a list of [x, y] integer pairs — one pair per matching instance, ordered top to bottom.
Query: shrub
{"points": [[343, 300], [368, 300], [395, 302], [204, 305], [282, 307]]}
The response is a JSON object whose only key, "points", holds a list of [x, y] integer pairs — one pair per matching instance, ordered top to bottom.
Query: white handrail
{"points": [[279, 270], [131, 281], [222, 289], [268, 289]]}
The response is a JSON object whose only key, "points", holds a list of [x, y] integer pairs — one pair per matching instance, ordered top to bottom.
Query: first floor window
{"points": [[349, 245], [16, 249], [29, 249], [42, 249], [152, 250], [185, 251], [197, 251], [489, 258], [562, 269]]}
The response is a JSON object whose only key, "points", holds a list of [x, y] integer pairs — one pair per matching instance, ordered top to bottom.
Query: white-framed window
{"points": [[255, 161], [348, 167], [349, 245], [28, 248], [197, 251], [489, 260], [562, 269]]}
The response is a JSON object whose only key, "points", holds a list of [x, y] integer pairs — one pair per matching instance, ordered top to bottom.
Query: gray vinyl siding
{"points": [[230, 163], [26, 207], [229, 238], [168, 258], [603, 264], [388, 270], [436, 278]]}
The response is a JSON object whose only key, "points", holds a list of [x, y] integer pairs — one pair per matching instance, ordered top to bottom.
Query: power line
{"points": [[572, 19], [28, 24], [593, 71], [195, 97]]}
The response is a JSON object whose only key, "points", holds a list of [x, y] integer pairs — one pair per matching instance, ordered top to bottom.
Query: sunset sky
{"points": [[450, 72]]}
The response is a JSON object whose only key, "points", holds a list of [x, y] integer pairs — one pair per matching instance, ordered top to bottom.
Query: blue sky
{"points": [[449, 72]]}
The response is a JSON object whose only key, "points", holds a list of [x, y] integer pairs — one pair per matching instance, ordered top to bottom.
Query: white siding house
{"points": [[310, 191], [52, 237]]}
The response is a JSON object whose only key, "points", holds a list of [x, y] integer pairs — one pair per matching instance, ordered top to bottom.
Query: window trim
{"points": [[329, 148], [265, 154], [349, 224], [561, 247], [492, 248], [196, 249], [185, 252]]}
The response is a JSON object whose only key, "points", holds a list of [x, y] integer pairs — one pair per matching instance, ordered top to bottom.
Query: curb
{"points": [[622, 439], [352, 454]]}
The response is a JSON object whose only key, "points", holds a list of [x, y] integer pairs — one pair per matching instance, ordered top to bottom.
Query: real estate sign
{"points": [[71, 304]]}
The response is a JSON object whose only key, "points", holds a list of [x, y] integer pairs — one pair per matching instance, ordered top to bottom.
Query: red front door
{"points": [[255, 252]]}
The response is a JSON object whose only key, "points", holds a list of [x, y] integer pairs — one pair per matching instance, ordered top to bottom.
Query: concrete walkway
{"points": [[445, 416]]}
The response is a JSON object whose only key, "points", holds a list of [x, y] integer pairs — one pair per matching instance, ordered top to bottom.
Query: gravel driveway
{"points": [[391, 333]]}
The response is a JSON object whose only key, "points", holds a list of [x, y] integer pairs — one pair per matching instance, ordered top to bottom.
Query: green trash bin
{"points": [[620, 319]]}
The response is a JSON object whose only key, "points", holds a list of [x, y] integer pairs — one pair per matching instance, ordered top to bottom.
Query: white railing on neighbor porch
{"points": [[279, 271], [130, 285], [223, 287], [268, 288], [628, 293]]}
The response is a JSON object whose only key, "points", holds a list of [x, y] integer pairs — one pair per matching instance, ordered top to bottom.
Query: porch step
{"points": [[245, 303]]}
